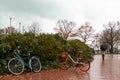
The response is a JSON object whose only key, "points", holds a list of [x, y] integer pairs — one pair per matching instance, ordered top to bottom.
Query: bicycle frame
{"points": [[19, 57], [69, 57]]}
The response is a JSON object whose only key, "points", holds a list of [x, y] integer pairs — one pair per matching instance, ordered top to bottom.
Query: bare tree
{"points": [[35, 28], [65, 28], [10, 30], [118, 30], [1, 31], [85, 32], [110, 35], [96, 41]]}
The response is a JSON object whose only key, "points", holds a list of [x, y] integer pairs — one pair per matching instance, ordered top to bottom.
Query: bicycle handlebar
{"points": [[18, 47], [17, 51]]}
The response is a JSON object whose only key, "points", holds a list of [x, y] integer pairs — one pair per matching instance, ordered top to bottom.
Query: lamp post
{"points": [[10, 21], [10, 25], [19, 27]]}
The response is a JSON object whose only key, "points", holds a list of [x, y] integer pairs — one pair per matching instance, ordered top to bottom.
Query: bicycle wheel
{"points": [[35, 64], [64, 64], [84, 65], [16, 66]]}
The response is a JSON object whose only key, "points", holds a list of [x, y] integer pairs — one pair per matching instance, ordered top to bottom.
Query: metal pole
{"points": [[10, 21], [10, 25], [19, 27], [23, 30]]}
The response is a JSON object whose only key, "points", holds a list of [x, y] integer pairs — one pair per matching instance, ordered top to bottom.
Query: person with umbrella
{"points": [[103, 48]]}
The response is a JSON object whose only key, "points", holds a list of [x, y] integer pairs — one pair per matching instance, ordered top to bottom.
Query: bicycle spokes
{"points": [[35, 64], [64, 64], [84, 65], [16, 66]]}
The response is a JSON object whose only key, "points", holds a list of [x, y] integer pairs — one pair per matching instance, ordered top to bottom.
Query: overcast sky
{"points": [[47, 12]]}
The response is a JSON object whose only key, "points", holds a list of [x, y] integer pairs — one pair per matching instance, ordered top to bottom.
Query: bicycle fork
{"points": [[79, 63]]}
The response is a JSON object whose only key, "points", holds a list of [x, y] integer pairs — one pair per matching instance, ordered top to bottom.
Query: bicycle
{"points": [[65, 62], [17, 64]]}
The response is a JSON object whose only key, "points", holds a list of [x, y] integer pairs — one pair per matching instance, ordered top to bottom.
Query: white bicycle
{"points": [[65, 62]]}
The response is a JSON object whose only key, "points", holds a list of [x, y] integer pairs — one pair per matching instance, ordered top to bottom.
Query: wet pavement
{"points": [[109, 69]]}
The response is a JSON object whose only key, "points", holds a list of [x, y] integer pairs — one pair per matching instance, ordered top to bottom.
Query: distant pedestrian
{"points": [[103, 48]]}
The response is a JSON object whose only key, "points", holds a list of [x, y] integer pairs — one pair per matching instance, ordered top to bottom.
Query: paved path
{"points": [[109, 69]]}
